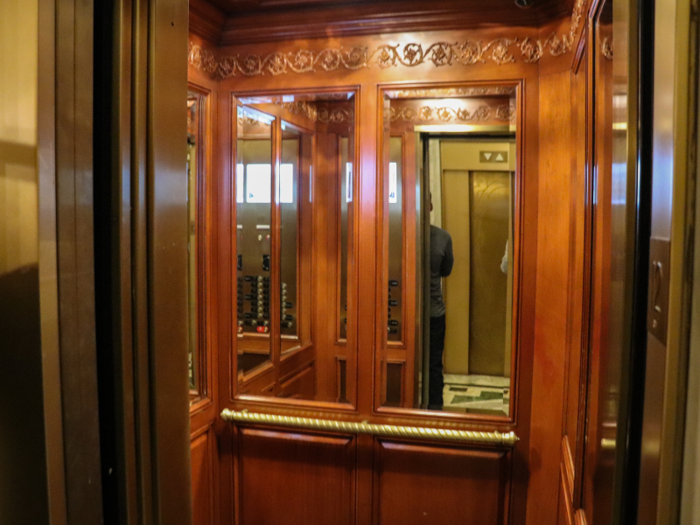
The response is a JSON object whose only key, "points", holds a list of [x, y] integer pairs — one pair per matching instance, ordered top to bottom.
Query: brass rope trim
{"points": [[508, 439]]}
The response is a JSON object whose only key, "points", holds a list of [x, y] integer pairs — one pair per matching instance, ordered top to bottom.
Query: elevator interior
{"points": [[324, 154]]}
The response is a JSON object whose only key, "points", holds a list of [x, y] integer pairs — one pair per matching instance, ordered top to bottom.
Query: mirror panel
{"points": [[197, 122], [449, 192], [289, 230], [254, 234], [304, 349]]}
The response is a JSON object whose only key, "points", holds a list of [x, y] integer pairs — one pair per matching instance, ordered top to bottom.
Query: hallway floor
{"points": [[475, 393]]}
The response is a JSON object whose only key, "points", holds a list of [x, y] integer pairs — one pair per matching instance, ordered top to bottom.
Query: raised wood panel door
{"points": [[295, 479], [420, 484]]}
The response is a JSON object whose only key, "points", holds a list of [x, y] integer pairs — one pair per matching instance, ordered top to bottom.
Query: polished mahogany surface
{"points": [[364, 479]]}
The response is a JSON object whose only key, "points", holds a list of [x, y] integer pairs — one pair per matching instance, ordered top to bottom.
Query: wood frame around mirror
{"points": [[381, 344], [277, 355], [202, 395]]}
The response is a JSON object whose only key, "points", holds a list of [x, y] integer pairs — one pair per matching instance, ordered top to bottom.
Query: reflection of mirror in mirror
{"points": [[195, 178], [449, 179], [294, 214], [253, 218]]}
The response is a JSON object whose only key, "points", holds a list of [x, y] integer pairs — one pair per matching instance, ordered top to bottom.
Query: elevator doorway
{"points": [[471, 186]]}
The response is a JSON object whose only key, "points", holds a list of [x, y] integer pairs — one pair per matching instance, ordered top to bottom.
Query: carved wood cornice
{"points": [[206, 21], [264, 21], [556, 45], [499, 51], [459, 92], [503, 112], [319, 113]]}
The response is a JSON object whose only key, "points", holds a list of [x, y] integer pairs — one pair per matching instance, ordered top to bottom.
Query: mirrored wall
{"points": [[198, 123], [294, 186], [449, 190]]}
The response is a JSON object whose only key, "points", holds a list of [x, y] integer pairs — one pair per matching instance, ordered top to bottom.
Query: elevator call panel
{"points": [[254, 265], [254, 285], [393, 319]]}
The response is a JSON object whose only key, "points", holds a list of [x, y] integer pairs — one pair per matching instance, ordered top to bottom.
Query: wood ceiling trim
{"points": [[340, 20], [365, 20], [206, 21]]}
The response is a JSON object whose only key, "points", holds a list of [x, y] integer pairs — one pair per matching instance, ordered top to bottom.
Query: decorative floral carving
{"points": [[554, 43], [606, 49], [501, 50], [440, 54], [202, 59], [451, 92], [300, 107], [505, 112], [319, 114], [446, 114], [335, 115], [247, 120]]}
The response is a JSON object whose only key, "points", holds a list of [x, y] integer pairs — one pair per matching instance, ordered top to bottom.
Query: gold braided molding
{"points": [[470, 52], [445, 114], [349, 427]]}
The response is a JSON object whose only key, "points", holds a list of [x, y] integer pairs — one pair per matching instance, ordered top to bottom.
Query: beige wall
{"points": [[18, 118], [456, 155]]}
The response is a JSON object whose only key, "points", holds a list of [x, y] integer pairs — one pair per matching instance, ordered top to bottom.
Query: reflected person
{"points": [[441, 261]]}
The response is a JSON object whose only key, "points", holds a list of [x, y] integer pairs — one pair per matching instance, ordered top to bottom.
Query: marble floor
{"points": [[475, 393]]}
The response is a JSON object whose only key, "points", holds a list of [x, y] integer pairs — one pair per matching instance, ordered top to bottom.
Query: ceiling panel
{"points": [[265, 20]]}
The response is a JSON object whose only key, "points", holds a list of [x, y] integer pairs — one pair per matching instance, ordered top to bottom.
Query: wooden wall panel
{"points": [[579, 264], [552, 297], [301, 385], [282, 465], [294, 478], [416, 484], [203, 486], [566, 510]]}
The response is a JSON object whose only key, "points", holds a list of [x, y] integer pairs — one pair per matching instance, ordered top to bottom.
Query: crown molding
{"points": [[206, 21], [504, 50]]}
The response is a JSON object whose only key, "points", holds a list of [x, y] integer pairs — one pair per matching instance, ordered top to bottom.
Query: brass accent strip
{"points": [[508, 439]]}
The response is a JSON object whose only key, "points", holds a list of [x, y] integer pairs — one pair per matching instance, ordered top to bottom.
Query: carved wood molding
{"points": [[606, 49], [533, 50], [468, 53], [459, 92], [503, 112], [319, 114], [250, 121]]}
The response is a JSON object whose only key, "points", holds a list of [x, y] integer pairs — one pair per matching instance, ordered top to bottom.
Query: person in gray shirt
{"points": [[441, 261]]}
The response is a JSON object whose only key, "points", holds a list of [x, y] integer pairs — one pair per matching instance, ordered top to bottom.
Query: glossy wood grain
{"points": [[232, 22], [552, 296], [602, 393], [587, 457], [294, 478], [423, 485], [204, 488]]}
